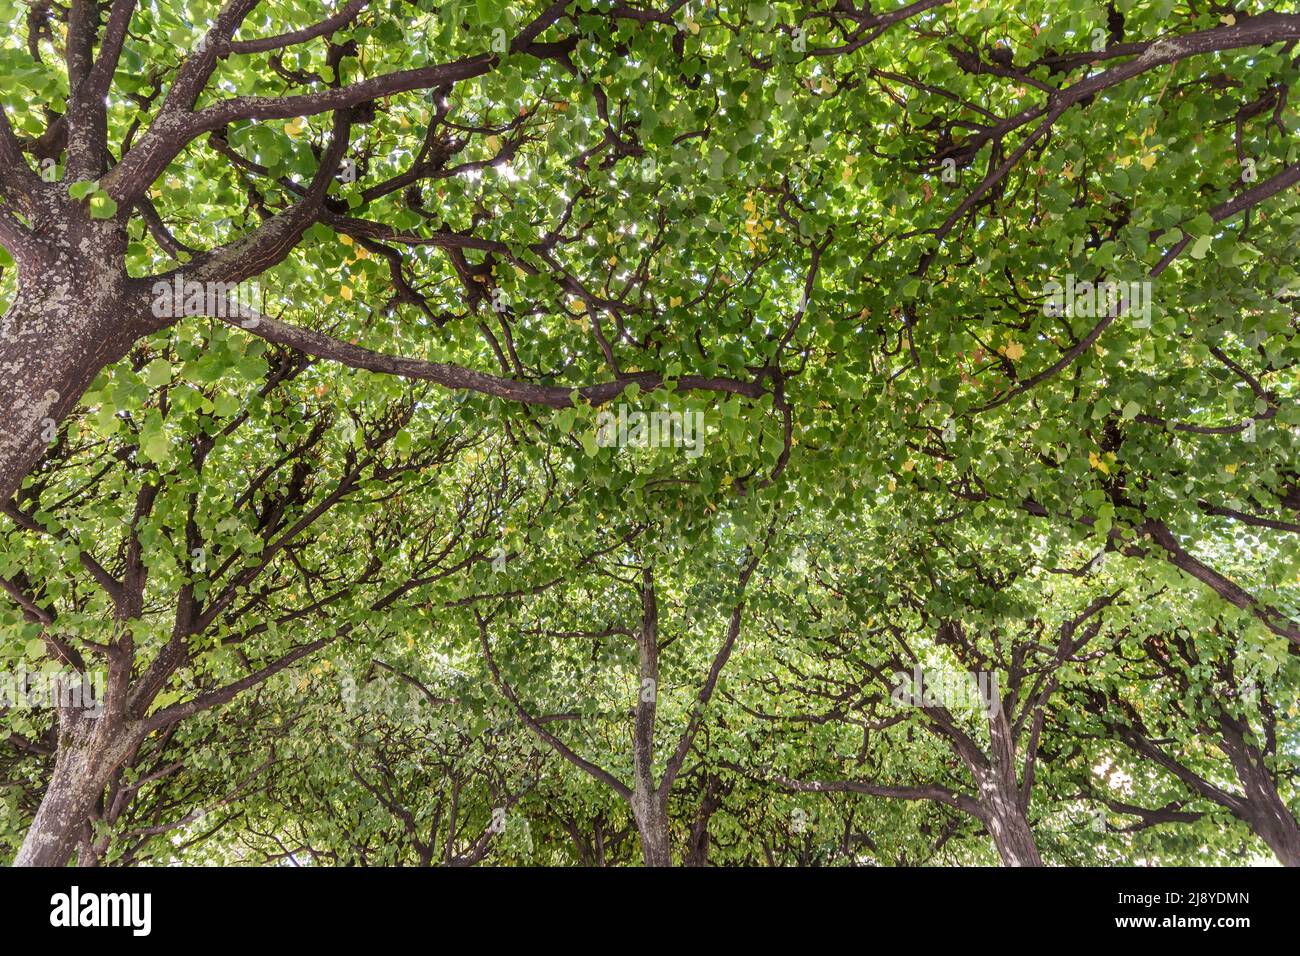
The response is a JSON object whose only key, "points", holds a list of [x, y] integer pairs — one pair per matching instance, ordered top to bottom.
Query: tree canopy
{"points": [[738, 433]]}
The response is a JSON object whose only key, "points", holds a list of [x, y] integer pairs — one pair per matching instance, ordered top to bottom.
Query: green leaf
{"points": [[102, 207], [157, 373]]}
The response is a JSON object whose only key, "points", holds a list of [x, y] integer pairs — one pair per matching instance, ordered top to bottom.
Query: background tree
{"points": [[249, 526], [635, 680], [1208, 710]]}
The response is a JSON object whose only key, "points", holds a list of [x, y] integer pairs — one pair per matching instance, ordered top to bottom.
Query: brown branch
{"points": [[292, 38], [463, 379], [559, 746]]}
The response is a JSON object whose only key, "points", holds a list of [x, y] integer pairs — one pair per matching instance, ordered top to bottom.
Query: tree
{"points": [[197, 590], [967, 668], [1219, 726], [652, 776], [411, 777]]}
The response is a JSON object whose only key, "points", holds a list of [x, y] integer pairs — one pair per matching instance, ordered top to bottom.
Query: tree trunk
{"points": [[74, 313], [90, 750], [649, 805], [1002, 808], [1263, 809], [1004, 811], [1004, 815], [1270, 819], [652, 825], [1278, 828], [1010, 831], [698, 842], [697, 849], [656, 850]]}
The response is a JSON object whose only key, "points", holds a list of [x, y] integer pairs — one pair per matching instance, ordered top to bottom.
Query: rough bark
{"points": [[74, 313], [90, 750], [1003, 803], [649, 804], [1258, 804], [1263, 808], [651, 817], [1273, 823], [1009, 828], [698, 841]]}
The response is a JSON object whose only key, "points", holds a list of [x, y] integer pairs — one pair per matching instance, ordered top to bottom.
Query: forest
{"points": [[733, 433]]}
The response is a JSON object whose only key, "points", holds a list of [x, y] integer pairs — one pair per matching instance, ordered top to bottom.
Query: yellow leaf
{"points": [[345, 239], [346, 292], [1014, 351], [1097, 463], [909, 465], [1231, 469]]}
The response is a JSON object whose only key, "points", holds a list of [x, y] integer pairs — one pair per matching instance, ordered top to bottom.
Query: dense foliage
{"points": [[660, 432]]}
